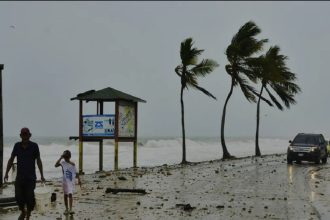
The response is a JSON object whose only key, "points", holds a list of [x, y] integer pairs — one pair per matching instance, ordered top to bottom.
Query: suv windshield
{"points": [[305, 139]]}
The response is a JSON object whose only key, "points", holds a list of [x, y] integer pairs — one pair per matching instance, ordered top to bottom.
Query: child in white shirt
{"points": [[69, 174]]}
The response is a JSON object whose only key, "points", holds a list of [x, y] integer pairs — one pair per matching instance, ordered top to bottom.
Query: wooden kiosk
{"points": [[122, 126]]}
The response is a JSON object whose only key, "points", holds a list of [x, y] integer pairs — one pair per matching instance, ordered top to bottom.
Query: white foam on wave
{"points": [[151, 152]]}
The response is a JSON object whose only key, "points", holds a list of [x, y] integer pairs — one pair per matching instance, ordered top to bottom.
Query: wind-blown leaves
{"points": [[244, 44], [188, 54], [205, 67]]}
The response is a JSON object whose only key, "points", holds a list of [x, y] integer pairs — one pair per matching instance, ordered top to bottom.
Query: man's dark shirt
{"points": [[26, 169]]}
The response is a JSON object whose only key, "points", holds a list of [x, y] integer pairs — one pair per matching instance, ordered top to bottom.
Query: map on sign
{"points": [[126, 120], [98, 125]]}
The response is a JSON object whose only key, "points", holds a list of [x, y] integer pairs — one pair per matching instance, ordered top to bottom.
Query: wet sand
{"points": [[245, 188]]}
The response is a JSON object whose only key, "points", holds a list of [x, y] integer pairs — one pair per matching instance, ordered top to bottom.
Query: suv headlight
{"points": [[290, 148], [314, 149]]}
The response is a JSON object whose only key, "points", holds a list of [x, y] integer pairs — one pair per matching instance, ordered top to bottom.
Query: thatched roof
{"points": [[107, 94]]}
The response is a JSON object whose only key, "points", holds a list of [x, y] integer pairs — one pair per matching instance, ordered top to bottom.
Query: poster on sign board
{"points": [[126, 119], [98, 125]]}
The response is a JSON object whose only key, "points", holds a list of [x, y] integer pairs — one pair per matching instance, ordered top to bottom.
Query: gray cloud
{"points": [[59, 49]]}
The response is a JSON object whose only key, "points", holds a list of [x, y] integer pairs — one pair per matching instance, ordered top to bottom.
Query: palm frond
{"points": [[244, 43], [189, 54], [205, 67], [229, 69], [178, 70], [250, 73], [191, 78], [292, 87], [247, 90], [204, 91], [285, 96], [262, 98], [279, 106]]}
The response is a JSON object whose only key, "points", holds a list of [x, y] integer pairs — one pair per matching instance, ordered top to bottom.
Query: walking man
{"points": [[27, 152]]}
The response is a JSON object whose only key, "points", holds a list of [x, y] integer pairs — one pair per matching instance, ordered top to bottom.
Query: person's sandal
{"points": [[66, 212], [71, 212]]}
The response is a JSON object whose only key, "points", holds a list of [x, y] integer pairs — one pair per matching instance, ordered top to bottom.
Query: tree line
{"points": [[245, 69]]}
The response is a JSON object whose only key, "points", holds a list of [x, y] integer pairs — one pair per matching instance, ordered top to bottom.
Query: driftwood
{"points": [[117, 190], [8, 201], [185, 207]]}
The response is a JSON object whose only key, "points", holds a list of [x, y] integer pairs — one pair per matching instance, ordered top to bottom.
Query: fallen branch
{"points": [[117, 190], [8, 201], [185, 207]]}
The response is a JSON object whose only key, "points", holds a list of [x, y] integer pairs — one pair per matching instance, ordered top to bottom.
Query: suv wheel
{"points": [[289, 160], [324, 160], [317, 161]]}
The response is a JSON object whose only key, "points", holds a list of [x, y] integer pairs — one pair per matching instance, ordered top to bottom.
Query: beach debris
{"points": [[122, 178], [117, 190], [53, 197], [8, 201], [185, 207]]}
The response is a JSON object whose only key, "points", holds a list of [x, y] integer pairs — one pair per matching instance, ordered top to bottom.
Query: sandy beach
{"points": [[244, 188]]}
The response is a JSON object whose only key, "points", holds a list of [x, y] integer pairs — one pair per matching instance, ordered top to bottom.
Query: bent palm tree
{"points": [[243, 45], [188, 71], [274, 75]]}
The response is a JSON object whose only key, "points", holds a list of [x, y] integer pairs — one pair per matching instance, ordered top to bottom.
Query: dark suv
{"points": [[307, 147]]}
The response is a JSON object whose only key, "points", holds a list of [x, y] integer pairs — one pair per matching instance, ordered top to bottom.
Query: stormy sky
{"points": [[52, 51]]}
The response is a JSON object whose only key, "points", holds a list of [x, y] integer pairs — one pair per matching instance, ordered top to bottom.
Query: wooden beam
{"points": [[100, 112], [1, 128], [116, 135], [135, 135], [81, 137], [135, 154], [100, 155], [116, 156], [117, 190]]}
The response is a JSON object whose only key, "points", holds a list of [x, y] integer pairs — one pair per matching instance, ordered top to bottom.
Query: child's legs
{"points": [[66, 201], [70, 201]]}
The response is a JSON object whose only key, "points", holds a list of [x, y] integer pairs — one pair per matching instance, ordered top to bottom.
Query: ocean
{"points": [[152, 151]]}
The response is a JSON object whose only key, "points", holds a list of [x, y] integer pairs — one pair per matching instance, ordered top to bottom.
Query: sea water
{"points": [[152, 151]]}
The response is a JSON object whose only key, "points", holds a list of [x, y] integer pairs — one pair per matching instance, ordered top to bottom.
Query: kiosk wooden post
{"points": [[135, 135], [80, 137]]}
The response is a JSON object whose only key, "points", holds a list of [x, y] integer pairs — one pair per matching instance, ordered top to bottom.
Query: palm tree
{"points": [[243, 45], [188, 71], [275, 77]]}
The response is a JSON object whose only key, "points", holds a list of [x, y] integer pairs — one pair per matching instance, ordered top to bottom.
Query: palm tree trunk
{"points": [[183, 129], [258, 153], [226, 154]]}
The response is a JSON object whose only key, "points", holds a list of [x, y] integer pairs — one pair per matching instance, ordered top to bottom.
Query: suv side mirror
{"points": [[290, 141]]}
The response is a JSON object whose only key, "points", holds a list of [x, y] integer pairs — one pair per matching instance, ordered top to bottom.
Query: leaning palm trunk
{"points": [[183, 129], [258, 153], [226, 154]]}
